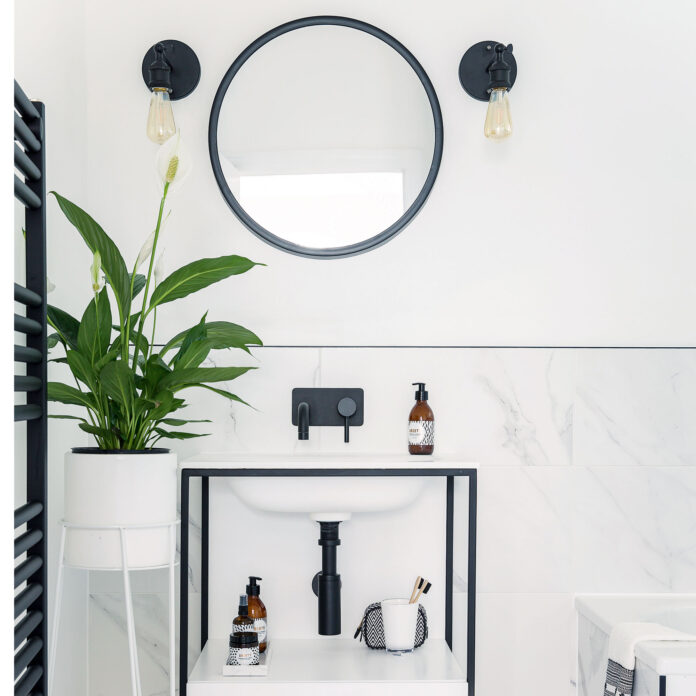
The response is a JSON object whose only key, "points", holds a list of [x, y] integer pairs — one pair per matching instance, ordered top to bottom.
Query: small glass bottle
{"points": [[243, 622]]}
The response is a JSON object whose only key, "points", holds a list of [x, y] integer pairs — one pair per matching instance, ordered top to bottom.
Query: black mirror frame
{"points": [[262, 232]]}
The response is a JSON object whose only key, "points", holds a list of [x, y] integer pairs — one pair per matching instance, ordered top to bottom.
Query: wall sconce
{"points": [[171, 71], [487, 72]]}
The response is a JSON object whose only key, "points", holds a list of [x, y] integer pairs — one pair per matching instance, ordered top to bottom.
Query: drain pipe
{"points": [[327, 583]]}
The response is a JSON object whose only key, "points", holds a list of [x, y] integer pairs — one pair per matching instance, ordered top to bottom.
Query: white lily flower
{"points": [[173, 162], [145, 250], [159, 268], [95, 271]]}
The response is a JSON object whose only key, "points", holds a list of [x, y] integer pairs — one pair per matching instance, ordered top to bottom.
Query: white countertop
{"points": [[241, 460], [665, 657], [333, 664]]}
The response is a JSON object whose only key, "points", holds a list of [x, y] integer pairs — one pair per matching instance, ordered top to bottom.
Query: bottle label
{"points": [[421, 432], [260, 628], [245, 656]]}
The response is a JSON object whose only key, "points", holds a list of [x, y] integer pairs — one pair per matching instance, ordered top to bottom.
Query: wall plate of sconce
{"points": [[487, 72]]}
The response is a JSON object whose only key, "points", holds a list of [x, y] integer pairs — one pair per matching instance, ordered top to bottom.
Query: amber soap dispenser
{"points": [[421, 424], [257, 611]]}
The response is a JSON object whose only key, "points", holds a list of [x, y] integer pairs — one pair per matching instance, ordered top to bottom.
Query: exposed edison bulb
{"points": [[160, 118], [498, 123]]}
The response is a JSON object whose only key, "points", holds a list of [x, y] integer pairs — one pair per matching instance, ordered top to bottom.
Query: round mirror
{"points": [[325, 137]]}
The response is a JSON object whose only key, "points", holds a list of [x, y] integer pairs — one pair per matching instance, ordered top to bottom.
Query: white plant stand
{"points": [[130, 621]]}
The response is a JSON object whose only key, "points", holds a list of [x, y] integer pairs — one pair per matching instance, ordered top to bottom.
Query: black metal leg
{"points": [[205, 555], [449, 561], [183, 584], [471, 589]]}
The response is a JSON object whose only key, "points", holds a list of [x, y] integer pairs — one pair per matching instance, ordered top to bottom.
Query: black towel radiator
{"points": [[30, 604]]}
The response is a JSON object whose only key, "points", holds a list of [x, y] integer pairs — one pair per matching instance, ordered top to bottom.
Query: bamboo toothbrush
{"points": [[417, 586], [422, 591]]}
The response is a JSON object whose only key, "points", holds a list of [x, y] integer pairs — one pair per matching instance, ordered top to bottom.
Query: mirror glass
{"points": [[325, 140]]}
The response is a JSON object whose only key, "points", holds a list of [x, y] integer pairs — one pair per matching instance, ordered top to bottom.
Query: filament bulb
{"points": [[160, 119], [498, 122]]}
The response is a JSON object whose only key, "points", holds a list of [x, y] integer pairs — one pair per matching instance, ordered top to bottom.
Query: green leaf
{"points": [[97, 240], [198, 275], [138, 284], [66, 326], [221, 334], [94, 335], [52, 340], [193, 349], [59, 360], [81, 368], [155, 369], [196, 375], [116, 379], [225, 393], [65, 394], [166, 403], [62, 415], [94, 430], [178, 435]]}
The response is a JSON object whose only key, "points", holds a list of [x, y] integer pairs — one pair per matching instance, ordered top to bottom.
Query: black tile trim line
{"points": [[469, 347]]}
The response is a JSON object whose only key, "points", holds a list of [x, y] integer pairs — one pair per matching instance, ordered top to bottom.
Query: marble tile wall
{"points": [[587, 484]]}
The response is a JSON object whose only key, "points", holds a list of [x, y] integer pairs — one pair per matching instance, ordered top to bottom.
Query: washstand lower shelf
{"points": [[333, 667]]}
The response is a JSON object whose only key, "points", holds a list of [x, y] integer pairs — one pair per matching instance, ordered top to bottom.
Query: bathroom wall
{"points": [[578, 232]]}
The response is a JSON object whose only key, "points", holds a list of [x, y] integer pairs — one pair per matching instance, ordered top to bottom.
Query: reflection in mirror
{"points": [[326, 136]]}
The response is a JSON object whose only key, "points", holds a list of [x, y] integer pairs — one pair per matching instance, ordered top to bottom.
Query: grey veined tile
{"points": [[636, 407], [634, 529]]}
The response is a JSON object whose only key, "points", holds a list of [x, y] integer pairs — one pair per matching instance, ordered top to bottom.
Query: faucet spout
{"points": [[303, 421]]}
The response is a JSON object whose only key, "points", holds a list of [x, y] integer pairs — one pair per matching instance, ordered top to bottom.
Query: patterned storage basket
{"points": [[372, 629]]}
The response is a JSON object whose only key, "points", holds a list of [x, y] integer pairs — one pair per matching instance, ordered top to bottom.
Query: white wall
{"points": [[578, 231], [590, 243]]}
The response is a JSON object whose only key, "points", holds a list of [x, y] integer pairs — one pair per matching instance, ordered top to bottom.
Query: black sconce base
{"points": [[186, 69], [473, 69]]}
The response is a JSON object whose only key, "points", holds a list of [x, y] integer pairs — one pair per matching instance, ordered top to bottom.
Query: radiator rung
{"points": [[23, 103], [24, 135], [25, 165], [25, 195], [26, 296], [25, 325], [26, 355], [22, 383], [27, 412], [27, 512], [25, 541], [26, 569], [26, 598], [26, 627], [24, 657], [24, 686]]}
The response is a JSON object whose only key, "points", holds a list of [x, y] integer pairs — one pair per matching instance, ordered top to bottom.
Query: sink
{"points": [[330, 498]]}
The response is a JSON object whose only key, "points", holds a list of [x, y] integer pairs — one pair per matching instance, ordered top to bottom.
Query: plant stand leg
{"points": [[56, 611], [172, 614], [132, 645]]}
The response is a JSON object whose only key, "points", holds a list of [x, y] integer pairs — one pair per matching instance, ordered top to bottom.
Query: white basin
{"points": [[324, 498], [328, 499]]}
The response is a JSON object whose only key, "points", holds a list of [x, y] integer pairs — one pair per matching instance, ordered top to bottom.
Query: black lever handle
{"points": [[347, 408]]}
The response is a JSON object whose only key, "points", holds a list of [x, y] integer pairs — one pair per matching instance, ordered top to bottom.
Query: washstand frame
{"points": [[205, 474]]}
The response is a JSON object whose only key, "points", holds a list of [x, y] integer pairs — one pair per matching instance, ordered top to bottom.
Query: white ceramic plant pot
{"points": [[112, 489]]}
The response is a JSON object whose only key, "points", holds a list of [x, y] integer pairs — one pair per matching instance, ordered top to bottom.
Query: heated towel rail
{"points": [[30, 610]]}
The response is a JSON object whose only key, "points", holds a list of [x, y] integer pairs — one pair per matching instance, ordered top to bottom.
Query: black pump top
{"points": [[421, 394], [253, 590], [243, 605]]}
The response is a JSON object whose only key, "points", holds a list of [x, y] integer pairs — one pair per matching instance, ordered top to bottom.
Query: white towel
{"points": [[622, 652]]}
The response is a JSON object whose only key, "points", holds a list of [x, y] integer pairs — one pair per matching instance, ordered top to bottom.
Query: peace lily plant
{"points": [[129, 387]]}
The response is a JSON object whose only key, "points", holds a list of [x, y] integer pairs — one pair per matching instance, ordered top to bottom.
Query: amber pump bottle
{"points": [[421, 424], [257, 611]]}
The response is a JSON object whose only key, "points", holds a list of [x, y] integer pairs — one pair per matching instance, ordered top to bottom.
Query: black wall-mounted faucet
{"points": [[331, 406], [303, 421]]}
